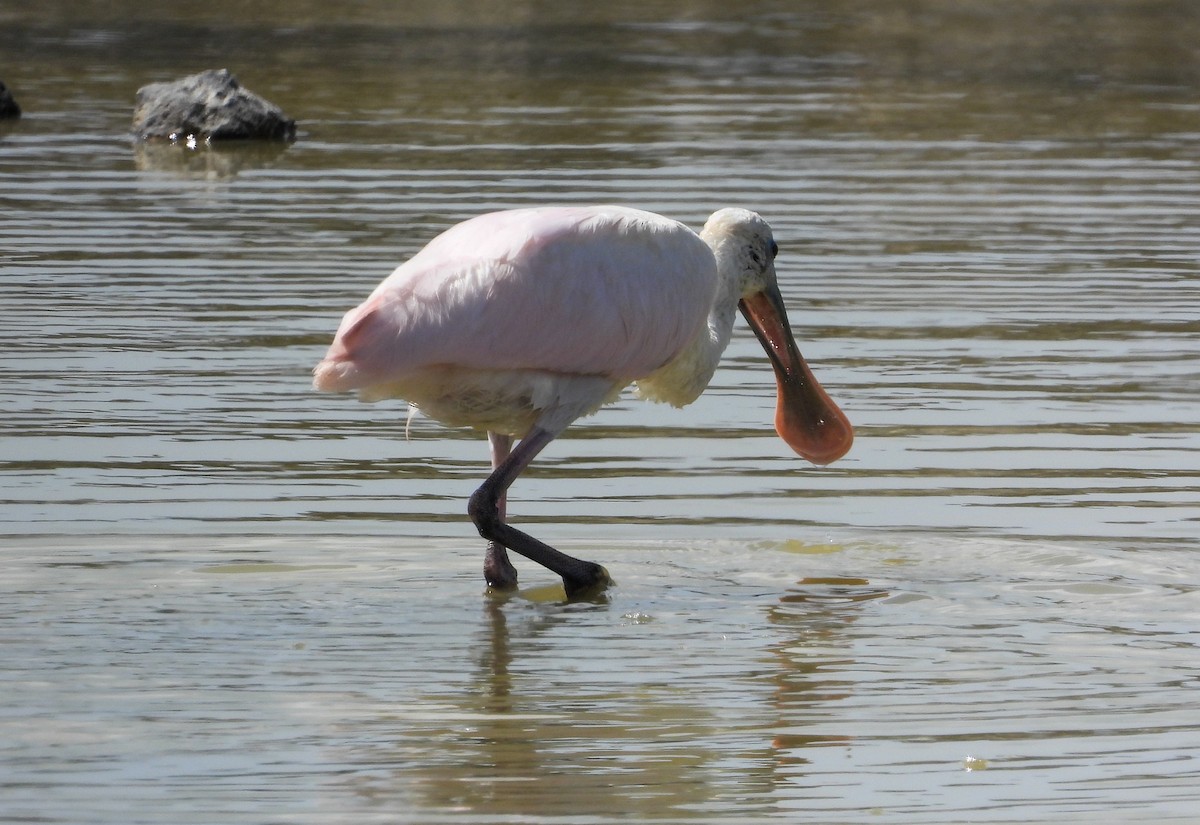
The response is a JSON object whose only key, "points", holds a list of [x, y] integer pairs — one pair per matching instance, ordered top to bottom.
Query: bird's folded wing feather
{"points": [[594, 291]]}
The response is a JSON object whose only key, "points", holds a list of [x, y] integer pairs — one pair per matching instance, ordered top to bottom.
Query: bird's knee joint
{"points": [[483, 508]]}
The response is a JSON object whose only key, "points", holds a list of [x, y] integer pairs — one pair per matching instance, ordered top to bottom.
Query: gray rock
{"points": [[8, 106], [208, 106]]}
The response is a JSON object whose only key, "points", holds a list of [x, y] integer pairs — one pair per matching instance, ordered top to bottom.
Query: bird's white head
{"points": [[744, 247], [805, 416]]}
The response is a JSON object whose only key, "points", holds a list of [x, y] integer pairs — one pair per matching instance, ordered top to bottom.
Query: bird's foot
{"points": [[498, 571], [590, 580]]}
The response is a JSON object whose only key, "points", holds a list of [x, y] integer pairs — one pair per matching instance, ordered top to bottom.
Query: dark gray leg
{"points": [[487, 511], [498, 571]]}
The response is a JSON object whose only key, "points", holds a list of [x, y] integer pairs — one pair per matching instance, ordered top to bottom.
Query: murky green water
{"points": [[226, 598]]}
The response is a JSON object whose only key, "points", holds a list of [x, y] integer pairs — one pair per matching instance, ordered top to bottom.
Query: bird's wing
{"points": [[595, 291]]}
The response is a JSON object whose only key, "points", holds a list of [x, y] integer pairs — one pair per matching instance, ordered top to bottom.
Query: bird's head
{"points": [[805, 416]]}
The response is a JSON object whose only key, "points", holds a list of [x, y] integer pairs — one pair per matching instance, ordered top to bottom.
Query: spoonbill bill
{"points": [[516, 323]]}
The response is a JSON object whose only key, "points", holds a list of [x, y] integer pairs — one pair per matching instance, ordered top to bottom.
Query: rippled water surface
{"points": [[227, 598]]}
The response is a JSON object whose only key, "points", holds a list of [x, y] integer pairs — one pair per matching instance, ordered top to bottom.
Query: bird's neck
{"points": [[682, 380]]}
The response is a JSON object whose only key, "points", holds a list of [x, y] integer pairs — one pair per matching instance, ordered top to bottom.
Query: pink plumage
{"points": [[597, 291]]}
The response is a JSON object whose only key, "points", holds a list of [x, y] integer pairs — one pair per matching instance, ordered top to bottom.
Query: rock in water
{"points": [[211, 105], [8, 106]]}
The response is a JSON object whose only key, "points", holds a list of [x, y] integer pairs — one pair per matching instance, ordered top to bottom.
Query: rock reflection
{"points": [[208, 161]]}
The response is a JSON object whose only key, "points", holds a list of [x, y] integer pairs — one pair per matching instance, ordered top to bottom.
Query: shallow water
{"points": [[228, 598], [351, 679]]}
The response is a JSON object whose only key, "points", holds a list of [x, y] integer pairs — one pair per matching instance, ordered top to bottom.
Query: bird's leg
{"points": [[487, 511], [498, 571]]}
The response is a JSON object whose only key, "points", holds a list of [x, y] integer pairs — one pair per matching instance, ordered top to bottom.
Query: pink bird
{"points": [[517, 323]]}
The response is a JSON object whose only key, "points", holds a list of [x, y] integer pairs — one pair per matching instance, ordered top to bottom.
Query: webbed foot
{"points": [[590, 580]]}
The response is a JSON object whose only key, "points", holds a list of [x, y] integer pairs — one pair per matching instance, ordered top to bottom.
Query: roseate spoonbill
{"points": [[517, 323]]}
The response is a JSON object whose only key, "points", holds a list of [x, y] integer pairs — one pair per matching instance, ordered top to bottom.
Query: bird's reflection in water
{"points": [[817, 613], [496, 691], [571, 707], [562, 715]]}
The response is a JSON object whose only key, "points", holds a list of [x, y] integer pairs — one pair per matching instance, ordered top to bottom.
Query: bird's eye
{"points": [[774, 250]]}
